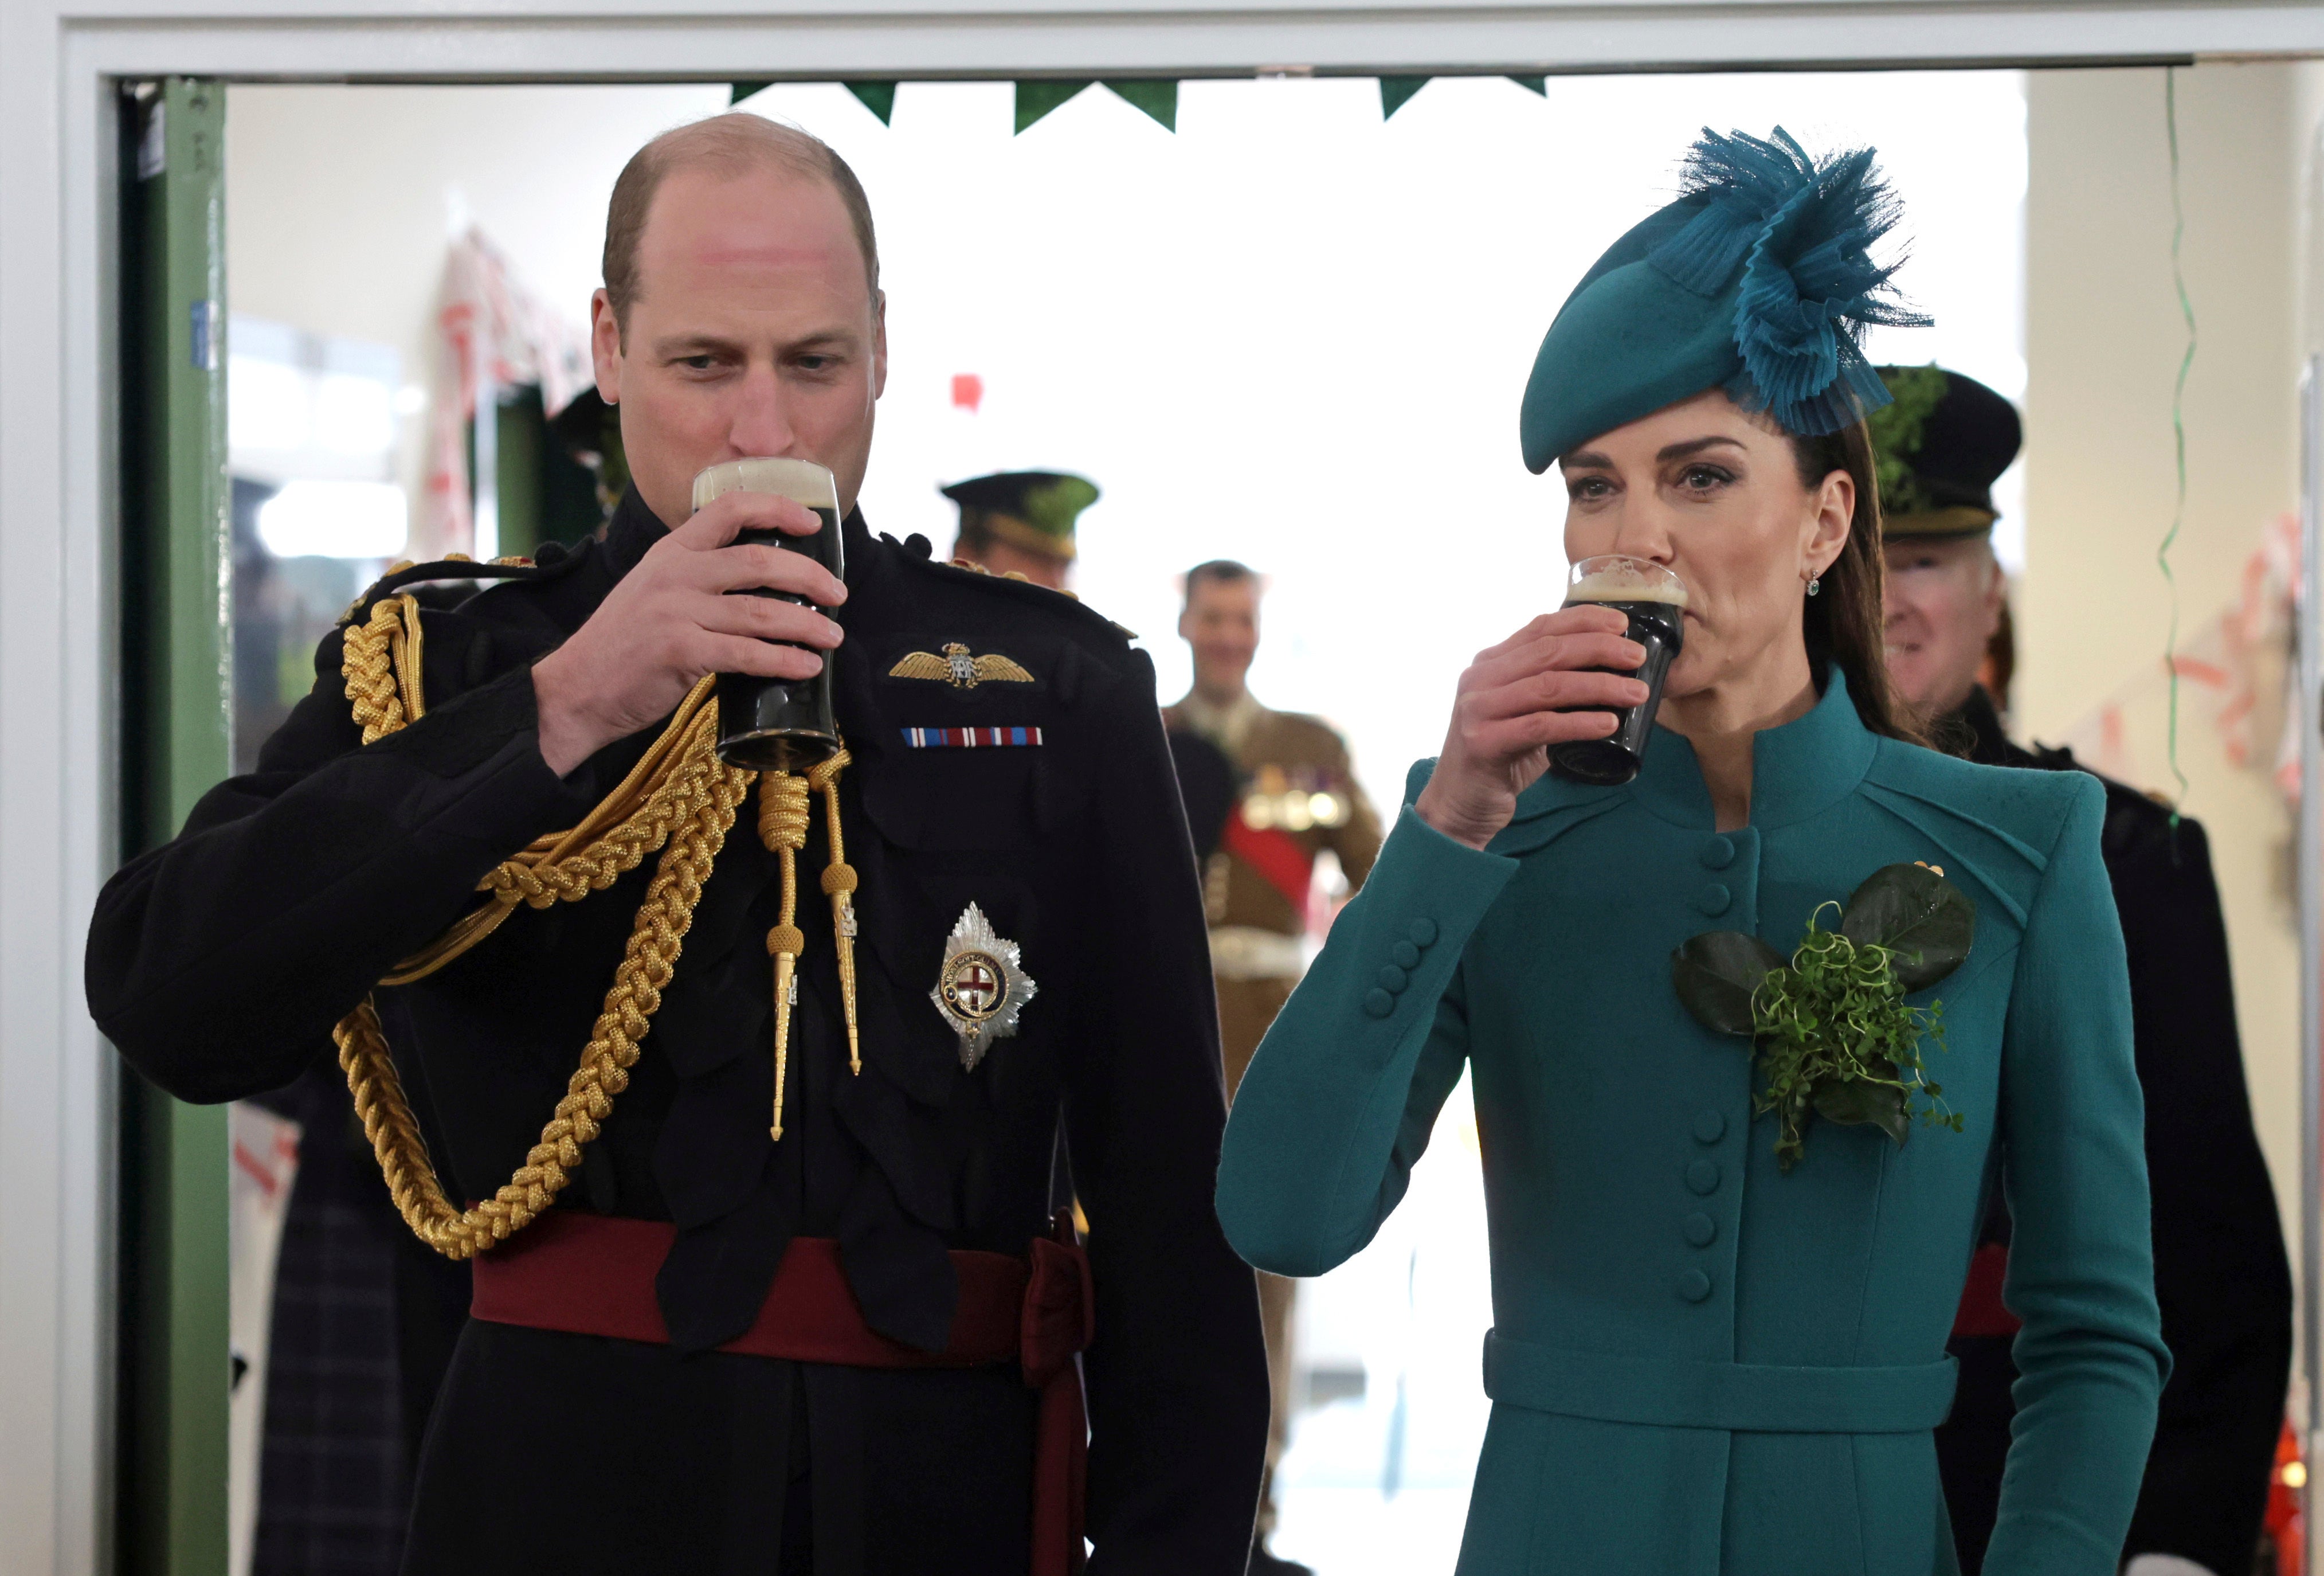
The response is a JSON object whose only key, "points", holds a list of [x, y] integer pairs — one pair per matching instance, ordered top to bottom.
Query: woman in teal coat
{"points": [[1707, 1361]]}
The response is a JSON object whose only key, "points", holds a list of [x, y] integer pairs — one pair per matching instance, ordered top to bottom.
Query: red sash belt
{"points": [[594, 1274], [1981, 1310]]}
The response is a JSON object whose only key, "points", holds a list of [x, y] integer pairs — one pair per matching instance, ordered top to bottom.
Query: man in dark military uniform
{"points": [[1022, 523], [1294, 797], [2220, 1271], [842, 1339]]}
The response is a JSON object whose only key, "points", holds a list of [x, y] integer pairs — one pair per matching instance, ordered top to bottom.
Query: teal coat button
{"points": [[1719, 853], [1713, 899], [1422, 932], [1405, 954], [1392, 979], [1379, 1003], [1709, 1125], [1702, 1176], [1699, 1229], [1694, 1285]]}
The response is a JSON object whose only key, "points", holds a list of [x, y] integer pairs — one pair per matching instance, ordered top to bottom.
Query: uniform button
{"points": [[1719, 853], [1713, 899], [1422, 932], [1405, 954], [1393, 980], [1379, 1003], [1709, 1127], [1702, 1176], [1701, 1230], [1694, 1285]]}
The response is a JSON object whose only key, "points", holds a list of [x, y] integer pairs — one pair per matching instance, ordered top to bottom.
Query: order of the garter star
{"points": [[981, 988]]}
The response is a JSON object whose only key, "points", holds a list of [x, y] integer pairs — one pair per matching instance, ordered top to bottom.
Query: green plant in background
{"points": [[1897, 434], [1829, 1027]]}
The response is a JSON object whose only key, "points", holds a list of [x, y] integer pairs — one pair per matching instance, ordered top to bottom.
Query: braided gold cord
{"points": [[381, 664], [382, 701], [679, 799], [782, 827], [839, 883], [646, 966]]}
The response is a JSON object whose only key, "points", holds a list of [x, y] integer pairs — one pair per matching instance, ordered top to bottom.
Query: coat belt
{"points": [[594, 1274], [1745, 1397]]}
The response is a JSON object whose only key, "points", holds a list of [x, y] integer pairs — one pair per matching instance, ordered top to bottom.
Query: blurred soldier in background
{"points": [[1022, 523], [1294, 797], [2220, 1271]]}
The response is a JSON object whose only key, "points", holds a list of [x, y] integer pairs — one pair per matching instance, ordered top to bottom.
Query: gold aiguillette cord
{"points": [[783, 809]]}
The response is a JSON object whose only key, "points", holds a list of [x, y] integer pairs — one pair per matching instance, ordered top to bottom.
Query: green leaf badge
{"points": [[1717, 974], [1829, 1027]]}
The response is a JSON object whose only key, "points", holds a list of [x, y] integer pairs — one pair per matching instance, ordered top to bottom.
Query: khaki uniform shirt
{"points": [[1293, 778]]}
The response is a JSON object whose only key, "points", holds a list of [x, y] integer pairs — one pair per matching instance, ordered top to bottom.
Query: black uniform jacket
{"points": [[220, 962], [2220, 1271]]}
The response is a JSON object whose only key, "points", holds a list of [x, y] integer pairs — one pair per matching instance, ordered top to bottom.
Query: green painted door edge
{"points": [[176, 667]]}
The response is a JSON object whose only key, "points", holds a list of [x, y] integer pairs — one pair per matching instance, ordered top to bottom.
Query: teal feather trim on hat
{"points": [[1770, 253]]}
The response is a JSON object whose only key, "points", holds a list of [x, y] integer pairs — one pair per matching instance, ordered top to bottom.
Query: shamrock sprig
{"points": [[1830, 1026]]}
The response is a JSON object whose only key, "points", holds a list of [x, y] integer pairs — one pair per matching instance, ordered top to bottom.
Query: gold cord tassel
{"points": [[783, 809], [782, 827], [839, 885]]}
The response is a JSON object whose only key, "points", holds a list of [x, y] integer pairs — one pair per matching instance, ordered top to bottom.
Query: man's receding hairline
{"points": [[731, 146]]}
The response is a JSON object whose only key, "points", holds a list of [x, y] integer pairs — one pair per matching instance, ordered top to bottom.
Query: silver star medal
{"points": [[982, 987]]}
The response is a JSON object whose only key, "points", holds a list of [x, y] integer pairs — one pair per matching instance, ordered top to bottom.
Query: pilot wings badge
{"points": [[957, 668], [982, 987]]}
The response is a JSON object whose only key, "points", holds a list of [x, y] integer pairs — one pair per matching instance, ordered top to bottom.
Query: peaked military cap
{"points": [[1758, 280], [1939, 450], [1035, 510]]}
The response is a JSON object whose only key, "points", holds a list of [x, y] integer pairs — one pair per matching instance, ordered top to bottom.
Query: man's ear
{"points": [[878, 343], [605, 346], [1996, 593]]}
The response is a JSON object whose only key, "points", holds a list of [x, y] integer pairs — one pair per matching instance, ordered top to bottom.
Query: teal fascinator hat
{"points": [[1758, 280]]}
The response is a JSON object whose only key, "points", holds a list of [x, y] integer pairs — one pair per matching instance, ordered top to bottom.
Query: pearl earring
{"points": [[1815, 585]]}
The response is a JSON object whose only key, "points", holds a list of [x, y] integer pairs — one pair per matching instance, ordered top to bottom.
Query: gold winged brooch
{"points": [[957, 668]]}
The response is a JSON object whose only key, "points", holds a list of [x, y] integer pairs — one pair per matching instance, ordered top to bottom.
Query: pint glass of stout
{"points": [[1654, 599], [778, 725]]}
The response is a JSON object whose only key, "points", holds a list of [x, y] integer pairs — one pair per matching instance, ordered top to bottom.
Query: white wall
{"points": [[340, 202], [2105, 338]]}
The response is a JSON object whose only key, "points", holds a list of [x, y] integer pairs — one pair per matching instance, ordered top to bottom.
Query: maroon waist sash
{"points": [[594, 1274], [1981, 1310]]}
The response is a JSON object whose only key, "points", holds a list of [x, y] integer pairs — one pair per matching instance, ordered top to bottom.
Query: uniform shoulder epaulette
{"points": [[554, 562], [1014, 584]]}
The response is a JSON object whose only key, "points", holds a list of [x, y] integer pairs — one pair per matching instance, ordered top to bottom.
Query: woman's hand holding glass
{"points": [[1516, 699]]}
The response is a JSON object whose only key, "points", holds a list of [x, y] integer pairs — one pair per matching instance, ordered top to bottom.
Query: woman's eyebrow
{"points": [[1695, 446], [1585, 459]]}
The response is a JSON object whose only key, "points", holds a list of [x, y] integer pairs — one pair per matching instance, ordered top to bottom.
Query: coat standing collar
{"points": [[631, 532], [1798, 770]]}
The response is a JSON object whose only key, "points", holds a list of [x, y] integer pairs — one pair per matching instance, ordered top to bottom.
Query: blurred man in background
{"points": [[1021, 523], [1294, 797], [2220, 1271]]}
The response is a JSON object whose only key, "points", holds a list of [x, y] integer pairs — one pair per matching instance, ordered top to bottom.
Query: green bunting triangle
{"points": [[1533, 84], [738, 91], [1396, 91], [1036, 97], [878, 98], [1158, 99]]}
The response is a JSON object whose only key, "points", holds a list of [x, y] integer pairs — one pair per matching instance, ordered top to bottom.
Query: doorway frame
{"points": [[60, 350]]}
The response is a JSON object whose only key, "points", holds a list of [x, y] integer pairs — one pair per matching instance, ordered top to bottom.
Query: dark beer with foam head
{"points": [[1653, 600], [779, 725]]}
